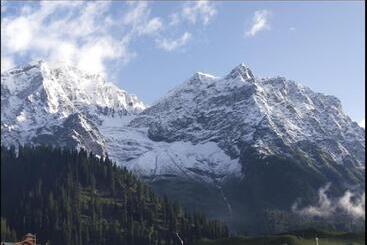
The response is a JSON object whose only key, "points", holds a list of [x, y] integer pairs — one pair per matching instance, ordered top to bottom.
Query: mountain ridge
{"points": [[39, 97], [205, 140]]}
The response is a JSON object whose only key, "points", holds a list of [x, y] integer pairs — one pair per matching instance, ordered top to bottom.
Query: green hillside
{"points": [[70, 197], [306, 237]]}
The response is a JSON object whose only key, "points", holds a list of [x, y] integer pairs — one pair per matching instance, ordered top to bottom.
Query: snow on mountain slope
{"points": [[41, 103], [61, 105], [240, 110], [199, 129], [228, 146], [133, 148]]}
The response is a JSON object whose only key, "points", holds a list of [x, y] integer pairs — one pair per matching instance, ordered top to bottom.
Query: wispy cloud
{"points": [[3, 6], [201, 11], [196, 13], [139, 18], [260, 22], [153, 26], [84, 34], [92, 34], [173, 44], [6, 63], [362, 123], [352, 204], [355, 208], [322, 209]]}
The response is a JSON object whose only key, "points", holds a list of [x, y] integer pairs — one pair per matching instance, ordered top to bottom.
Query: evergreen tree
{"points": [[72, 197]]}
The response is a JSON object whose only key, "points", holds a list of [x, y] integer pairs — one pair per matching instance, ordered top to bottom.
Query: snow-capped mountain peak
{"points": [[241, 71], [200, 76], [198, 79], [67, 84], [38, 99], [237, 111], [273, 115], [214, 136]]}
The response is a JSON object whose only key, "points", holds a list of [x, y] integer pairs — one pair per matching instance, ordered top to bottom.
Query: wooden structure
{"points": [[28, 239]]}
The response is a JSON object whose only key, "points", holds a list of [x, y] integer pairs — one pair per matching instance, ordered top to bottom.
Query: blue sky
{"points": [[149, 48]]}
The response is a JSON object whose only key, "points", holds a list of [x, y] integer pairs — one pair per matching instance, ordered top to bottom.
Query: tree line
{"points": [[72, 197]]}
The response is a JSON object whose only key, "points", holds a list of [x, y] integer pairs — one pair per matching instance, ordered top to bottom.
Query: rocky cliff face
{"points": [[59, 106], [269, 114], [282, 142], [229, 146]]}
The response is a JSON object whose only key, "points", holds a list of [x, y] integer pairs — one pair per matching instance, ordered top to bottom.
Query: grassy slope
{"points": [[297, 238]]}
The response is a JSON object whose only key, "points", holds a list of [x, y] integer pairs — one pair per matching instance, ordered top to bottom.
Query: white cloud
{"points": [[3, 6], [199, 10], [196, 11], [193, 12], [135, 15], [139, 19], [175, 19], [259, 22], [153, 26], [292, 28], [81, 33], [18, 34], [89, 35], [172, 44], [65, 52], [92, 55], [6, 63], [362, 123], [350, 203], [324, 207], [354, 208]]}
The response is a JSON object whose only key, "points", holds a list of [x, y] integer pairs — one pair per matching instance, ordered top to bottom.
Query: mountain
{"points": [[59, 105], [273, 115], [270, 143], [240, 148]]}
